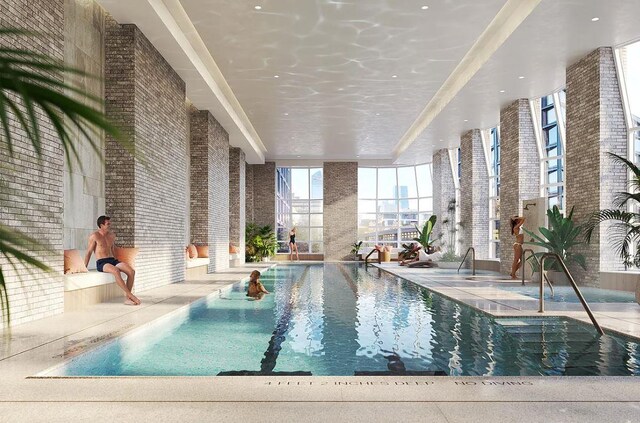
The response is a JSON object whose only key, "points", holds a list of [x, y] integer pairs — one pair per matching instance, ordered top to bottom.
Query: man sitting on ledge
{"points": [[101, 242]]}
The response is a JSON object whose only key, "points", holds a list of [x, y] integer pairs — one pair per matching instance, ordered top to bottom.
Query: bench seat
{"points": [[197, 262], [90, 279], [93, 287]]}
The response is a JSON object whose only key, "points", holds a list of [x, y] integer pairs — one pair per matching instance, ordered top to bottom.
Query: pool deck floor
{"points": [[33, 347]]}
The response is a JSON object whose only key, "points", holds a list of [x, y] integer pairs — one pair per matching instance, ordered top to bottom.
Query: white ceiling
{"points": [[336, 97]]}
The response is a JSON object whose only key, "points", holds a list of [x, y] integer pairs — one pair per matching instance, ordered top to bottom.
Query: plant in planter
{"points": [[451, 230], [625, 231], [424, 235], [560, 238], [260, 242], [355, 247], [409, 251]]}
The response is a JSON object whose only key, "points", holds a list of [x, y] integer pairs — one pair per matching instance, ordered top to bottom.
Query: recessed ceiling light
{"points": [[257, 7], [424, 7], [595, 19], [276, 76], [394, 76], [521, 77], [501, 91], [286, 114], [377, 114], [466, 120], [357, 155], [298, 156]]}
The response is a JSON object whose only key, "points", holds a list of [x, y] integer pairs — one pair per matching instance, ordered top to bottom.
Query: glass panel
{"points": [[631, 70], [549, 116], [551, 141], [636, 144], [316, 182], [366, 182], [300, 183], [386, 183], [407, 183], [425, 185], [426, 204], [408, 205], [300, 206], [316, 206], [367, 206], [387, 206], [422, 218], [409, 219], [300, 220], [315, 220], [387, 221], [366, 227], [495, 229], [407, 233], [302, 234], [316, 234], [283, 246], [303, 246], [317, 248]]}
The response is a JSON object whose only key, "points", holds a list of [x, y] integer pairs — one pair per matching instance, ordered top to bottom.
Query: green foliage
{"points": [[32, 85], [624, 231], [424, 235], [560, 238], [260, 242], [355, 247], [408, 251], [450, 256]]}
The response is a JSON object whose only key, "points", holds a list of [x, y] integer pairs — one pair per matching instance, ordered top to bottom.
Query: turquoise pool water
{"points": [[340, 319]]}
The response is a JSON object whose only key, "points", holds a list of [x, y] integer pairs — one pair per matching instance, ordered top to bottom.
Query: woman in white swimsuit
{"points": [[516, 229]]}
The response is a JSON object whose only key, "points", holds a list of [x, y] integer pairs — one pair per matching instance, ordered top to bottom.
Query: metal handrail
{"points": [[367, 257], [473, 258], [524, 259], [573, 284]]}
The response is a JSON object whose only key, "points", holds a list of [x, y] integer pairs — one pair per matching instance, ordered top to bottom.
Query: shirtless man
{"points": [[101, 242]]}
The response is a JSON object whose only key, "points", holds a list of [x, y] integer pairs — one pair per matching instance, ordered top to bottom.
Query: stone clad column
{"points": [[595, 126], [519, 171], [210, 188], [444, 191], [474, 195], [237, 198], [146, 200], [340, 209]]}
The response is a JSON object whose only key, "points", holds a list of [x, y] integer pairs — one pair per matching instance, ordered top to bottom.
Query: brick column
{"points": [[595, 125], [520, 165], [210, 187], [31, 189], [248, 191], [444, 191], [261, 194], [474, 195], [237, 198], [147, 201], [340, 209]]}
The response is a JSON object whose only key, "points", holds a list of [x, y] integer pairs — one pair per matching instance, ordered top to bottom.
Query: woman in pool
{"points": [[516, 229], [292, 244], [256, 289]]}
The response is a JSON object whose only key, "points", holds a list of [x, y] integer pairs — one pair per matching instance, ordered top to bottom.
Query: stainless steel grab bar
{"points": [[524, 255], [473, 258], [573, 284]]}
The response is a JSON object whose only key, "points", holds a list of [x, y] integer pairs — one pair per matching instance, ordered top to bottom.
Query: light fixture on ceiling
{"points": [[257, 7], [424, 7], [595, 19], [276, 76], [394, 76], [521, 77], [501, 91], [286, 114], [377, 114], [466, 120], [357, 155], [298, 156]]}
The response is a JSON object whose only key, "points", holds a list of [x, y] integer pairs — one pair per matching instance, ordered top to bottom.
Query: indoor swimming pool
{"points": [[566, 294], [342, 319]]}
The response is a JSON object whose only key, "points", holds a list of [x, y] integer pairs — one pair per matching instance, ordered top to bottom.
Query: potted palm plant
{"points": [[424, 235], [560, 238], [355, 247], [450, 260]]}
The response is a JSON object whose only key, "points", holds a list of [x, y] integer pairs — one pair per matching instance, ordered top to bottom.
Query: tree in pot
{"points": [[450, 228], [424, 235], [560, 238], [260, 242], [355, 247]]}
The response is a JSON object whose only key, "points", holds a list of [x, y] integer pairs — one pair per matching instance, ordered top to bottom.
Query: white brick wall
{"points": [[340, 191]]}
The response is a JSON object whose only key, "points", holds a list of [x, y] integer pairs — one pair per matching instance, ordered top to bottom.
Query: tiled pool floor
{"points": [[35, 346]]}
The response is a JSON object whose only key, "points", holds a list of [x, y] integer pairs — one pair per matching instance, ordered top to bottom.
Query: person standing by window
{"points": [[516, 229], [292, 244]]}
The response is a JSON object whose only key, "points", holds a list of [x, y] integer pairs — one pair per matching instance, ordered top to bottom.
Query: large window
{"points": [[628, 61], [549, 112], [491, 141], [391, 201], [299, 204]]}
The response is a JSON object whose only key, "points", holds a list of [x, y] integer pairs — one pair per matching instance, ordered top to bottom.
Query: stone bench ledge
{"points": [[75, 281]]}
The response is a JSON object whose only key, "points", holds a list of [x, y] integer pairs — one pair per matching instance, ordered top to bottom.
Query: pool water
{"points": [[566, 294], [343, 319]]}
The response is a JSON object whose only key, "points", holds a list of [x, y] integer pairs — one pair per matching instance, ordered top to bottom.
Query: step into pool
{"points": [[342, 319]]}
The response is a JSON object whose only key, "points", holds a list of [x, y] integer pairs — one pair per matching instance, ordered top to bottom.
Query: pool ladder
{"points": [[473, 259], [524, 259], [543, 276]]}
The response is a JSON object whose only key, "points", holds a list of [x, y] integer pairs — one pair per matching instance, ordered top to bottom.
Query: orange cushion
{"points": [[233, 249], [203, 250], [192, 251], [126, 255], [73, 262]]}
